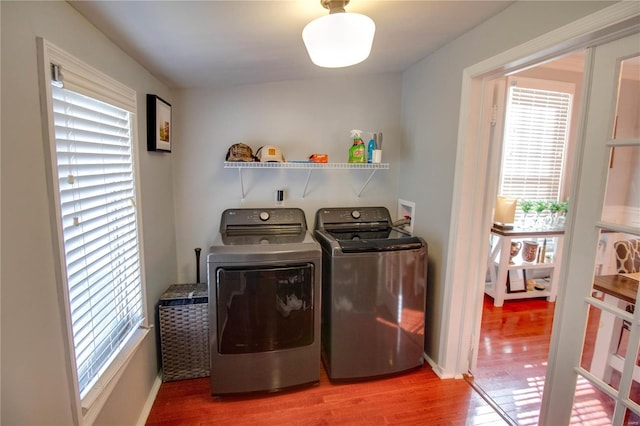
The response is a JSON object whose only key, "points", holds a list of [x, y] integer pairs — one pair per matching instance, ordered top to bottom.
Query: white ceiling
{"points": [[216, 43]]}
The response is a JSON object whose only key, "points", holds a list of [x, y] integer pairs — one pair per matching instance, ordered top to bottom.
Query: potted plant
{"points": [[540, 206], [554, 207], [527, 208], [564, 208], [562, 213]]}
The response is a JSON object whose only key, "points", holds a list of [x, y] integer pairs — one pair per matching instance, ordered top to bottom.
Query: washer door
{"points": [[265, 308]]}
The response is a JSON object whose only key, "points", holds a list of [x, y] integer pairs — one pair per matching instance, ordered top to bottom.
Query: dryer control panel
{"points": [[262, 217], [262, 221]]}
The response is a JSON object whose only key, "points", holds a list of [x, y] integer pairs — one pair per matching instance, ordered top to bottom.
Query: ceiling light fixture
{"points": [[339, 39]]}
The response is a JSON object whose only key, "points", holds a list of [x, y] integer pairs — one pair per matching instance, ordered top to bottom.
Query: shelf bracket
{"points": [[367, 182], [241, 184], [306, 184]]}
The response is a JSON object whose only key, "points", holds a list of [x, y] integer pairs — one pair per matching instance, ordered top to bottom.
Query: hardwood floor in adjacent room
{"points": [[512, 355], [512, 363], [417, 397]]}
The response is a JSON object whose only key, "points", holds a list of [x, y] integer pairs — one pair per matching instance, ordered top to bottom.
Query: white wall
{"points": [[430, 115], [302, 117], [36, 386]]}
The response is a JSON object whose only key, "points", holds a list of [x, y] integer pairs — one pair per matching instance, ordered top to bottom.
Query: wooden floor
{"points": [[514, 346], [512, 355], [512, 363], [418, 397]]}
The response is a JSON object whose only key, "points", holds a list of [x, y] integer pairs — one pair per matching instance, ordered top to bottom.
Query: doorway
{"points": [[469, 231], [514, 335]]}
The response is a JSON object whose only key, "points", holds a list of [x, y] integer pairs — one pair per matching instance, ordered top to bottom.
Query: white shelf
{"points": [[240, 165], [304, 165], [521, 264], [499, 266], [518, 295]]}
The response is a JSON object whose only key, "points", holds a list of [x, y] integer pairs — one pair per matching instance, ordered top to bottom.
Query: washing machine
{"points": [[264, 284], [373, 291]]}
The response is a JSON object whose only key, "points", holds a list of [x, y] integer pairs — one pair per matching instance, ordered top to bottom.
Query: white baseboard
{"points": [[436, 369], [144, 415]]}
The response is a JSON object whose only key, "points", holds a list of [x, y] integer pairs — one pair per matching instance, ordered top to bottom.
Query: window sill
{"points": [[94, 401]]}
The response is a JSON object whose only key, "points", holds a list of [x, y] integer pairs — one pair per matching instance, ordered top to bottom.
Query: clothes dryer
{"points": [[264, 278]]}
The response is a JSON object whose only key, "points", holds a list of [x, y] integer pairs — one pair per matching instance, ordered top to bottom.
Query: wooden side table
{"points": [[499, 266]]}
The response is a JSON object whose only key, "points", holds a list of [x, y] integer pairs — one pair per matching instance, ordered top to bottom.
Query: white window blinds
{"points": [[536, 134], [97, 204]]}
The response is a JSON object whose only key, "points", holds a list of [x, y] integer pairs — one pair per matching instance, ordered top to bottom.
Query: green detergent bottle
{"points": [[357, 150]]}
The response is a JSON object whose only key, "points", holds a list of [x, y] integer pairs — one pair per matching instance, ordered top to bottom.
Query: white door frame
{"points": [[468, 231]]}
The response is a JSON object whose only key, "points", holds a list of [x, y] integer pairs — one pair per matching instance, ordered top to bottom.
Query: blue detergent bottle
{"points": [[370, 148]]}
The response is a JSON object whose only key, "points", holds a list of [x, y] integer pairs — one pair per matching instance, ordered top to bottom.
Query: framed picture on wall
{"points": [[159, 129]]}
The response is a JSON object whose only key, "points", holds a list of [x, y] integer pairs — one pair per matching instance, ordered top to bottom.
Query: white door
{"points": [[593, 373]]}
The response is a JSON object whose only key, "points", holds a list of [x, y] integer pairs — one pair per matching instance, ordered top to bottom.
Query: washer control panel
{"points": [[360, 217]]}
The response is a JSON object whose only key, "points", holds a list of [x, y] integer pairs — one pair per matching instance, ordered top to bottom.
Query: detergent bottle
{"points": [[372, 146], [357, 150]]}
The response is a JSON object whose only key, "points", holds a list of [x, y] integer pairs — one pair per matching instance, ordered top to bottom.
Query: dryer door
{"points": [[264, 308]]}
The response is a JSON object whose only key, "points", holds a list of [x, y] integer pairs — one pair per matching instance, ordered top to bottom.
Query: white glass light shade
{"points": [[339, 39]]}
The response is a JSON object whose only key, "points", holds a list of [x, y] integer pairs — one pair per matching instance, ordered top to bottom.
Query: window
{"points": [[536, 132], [93, 180]]}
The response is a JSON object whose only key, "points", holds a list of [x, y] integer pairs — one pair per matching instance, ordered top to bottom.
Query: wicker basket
{"points": [[184, 332]]}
